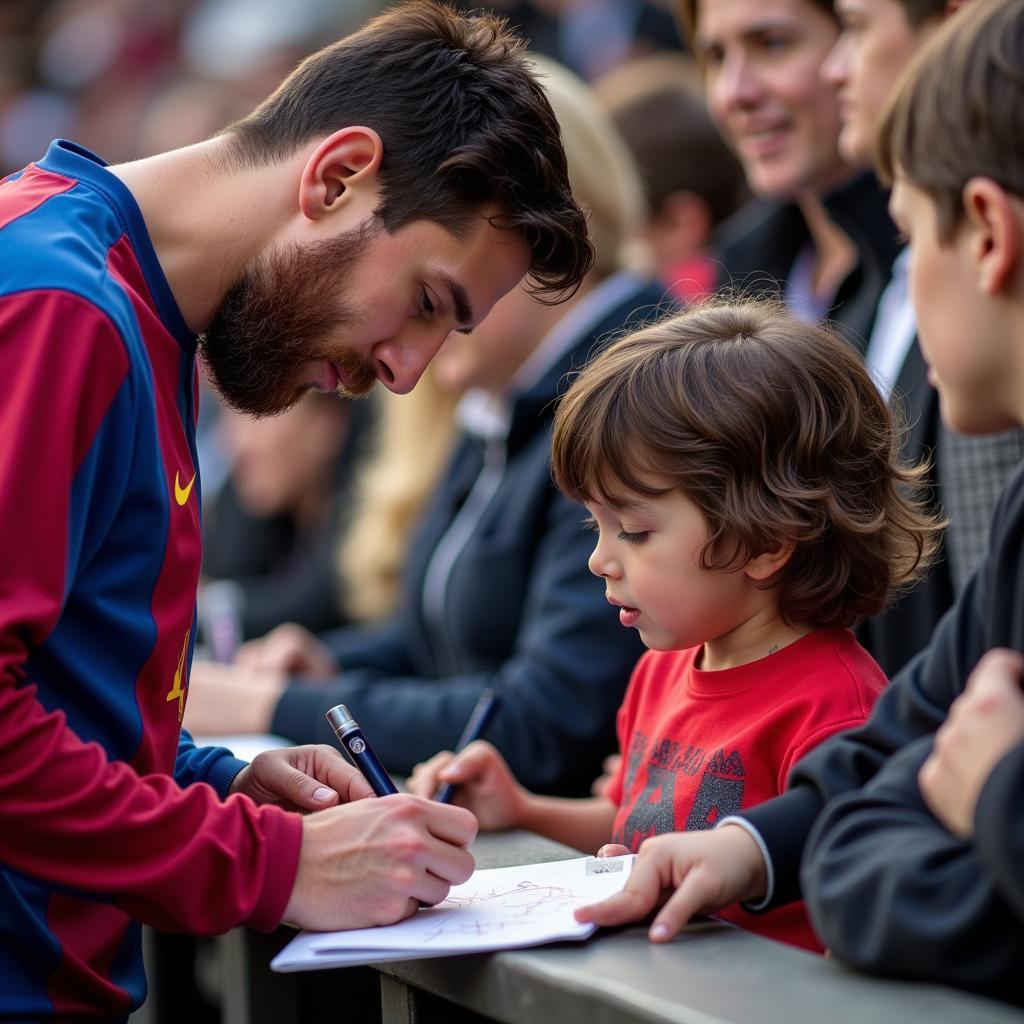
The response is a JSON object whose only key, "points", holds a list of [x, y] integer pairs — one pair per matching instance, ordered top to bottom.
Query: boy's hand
{"points": [[983, 724], [486, 784], [706, 870]]}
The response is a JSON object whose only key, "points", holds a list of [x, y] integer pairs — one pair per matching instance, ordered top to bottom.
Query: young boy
{"points": [[741, 471], [915, 867]]}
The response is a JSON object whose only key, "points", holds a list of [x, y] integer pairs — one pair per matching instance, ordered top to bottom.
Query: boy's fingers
{"points": [[474, 760], [424, 778], [640, 895], [686, 901], [621, 908]]}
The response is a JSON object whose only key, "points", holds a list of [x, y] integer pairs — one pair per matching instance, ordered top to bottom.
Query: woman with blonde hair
{"points": [[496, 590]]}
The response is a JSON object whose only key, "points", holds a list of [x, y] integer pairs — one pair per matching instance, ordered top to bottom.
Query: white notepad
{"points": [[498, 908]]}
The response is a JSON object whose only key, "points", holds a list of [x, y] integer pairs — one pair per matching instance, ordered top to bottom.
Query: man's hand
{"points": [[289, 649], [225, 699], [984, 723], [307, 778], [374, 862], [698, 871]]}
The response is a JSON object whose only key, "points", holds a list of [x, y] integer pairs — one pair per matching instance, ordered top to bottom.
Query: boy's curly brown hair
{"points": [[774, 429]]}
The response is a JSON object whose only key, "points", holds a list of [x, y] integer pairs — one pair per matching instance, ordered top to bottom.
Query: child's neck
{"points": [[762, 634]]}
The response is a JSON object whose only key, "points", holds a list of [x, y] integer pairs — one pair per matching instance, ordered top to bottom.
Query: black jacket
{"points": [[759, 244], [522, 613], [888, 888]]}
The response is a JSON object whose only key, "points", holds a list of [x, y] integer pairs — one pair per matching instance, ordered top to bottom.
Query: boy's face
{"points": [[873, 48], [762, 61], [963, 337], [648, 554]]}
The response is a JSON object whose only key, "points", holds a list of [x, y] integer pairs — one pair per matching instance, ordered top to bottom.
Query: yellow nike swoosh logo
{"points": [[181, 493]]}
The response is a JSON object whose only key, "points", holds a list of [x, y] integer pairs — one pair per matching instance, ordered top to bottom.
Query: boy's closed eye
{"points": [[629, 536], [633, 538]]}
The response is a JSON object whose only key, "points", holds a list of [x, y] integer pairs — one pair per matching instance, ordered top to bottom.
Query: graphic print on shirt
{"points": [[177, 691], [669, 768], [720, 793], [653, 811]]}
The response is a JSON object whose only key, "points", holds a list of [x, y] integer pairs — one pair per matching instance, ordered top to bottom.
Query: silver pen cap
{"points": [[340, 719]]}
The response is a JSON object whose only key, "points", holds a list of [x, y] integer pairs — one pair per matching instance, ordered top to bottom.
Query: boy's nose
{"points": [[601, 565]]}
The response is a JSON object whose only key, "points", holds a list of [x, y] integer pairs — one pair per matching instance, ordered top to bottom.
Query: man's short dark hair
{"points": [[463, 121]]}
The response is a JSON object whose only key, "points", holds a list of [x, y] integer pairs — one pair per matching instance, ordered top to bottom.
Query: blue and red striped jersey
{"points": [[111, 815]]}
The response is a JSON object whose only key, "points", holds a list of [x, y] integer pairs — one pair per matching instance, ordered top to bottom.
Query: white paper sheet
{"points": [[498, 908]]}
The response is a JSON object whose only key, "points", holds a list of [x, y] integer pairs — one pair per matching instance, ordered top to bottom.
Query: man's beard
{"points": [[278, 316]]}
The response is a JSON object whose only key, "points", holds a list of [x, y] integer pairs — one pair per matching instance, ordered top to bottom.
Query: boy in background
{"points": [[877, 42], [743, 527]]}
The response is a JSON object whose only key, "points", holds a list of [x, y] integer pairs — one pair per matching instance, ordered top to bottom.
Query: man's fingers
{"points": [[333, 771], [304, 790], [450, 823], [431, 890]]}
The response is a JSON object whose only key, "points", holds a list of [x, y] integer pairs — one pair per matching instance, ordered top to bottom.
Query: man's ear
{"points": [[342, 171], [995, 233], [765, 565]]}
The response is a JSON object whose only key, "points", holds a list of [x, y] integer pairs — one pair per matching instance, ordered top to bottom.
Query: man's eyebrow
{"points": [[460, 300]]}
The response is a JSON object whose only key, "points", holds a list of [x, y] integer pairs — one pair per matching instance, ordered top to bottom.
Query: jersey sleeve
{"points": [[214, 765], [176, 858]]}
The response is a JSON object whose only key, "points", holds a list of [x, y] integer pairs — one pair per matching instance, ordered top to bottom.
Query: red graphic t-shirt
{"points": [[698, 746]]}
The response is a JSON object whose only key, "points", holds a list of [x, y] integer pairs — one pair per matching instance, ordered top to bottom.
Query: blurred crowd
{"points": [[127, 78]]}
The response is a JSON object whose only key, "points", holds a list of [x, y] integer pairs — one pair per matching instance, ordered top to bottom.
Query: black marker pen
{"points": [[481, 715], [351, 737]]}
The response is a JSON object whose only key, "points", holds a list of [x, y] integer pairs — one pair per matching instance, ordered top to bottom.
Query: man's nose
{"points": [[400, 362]]}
